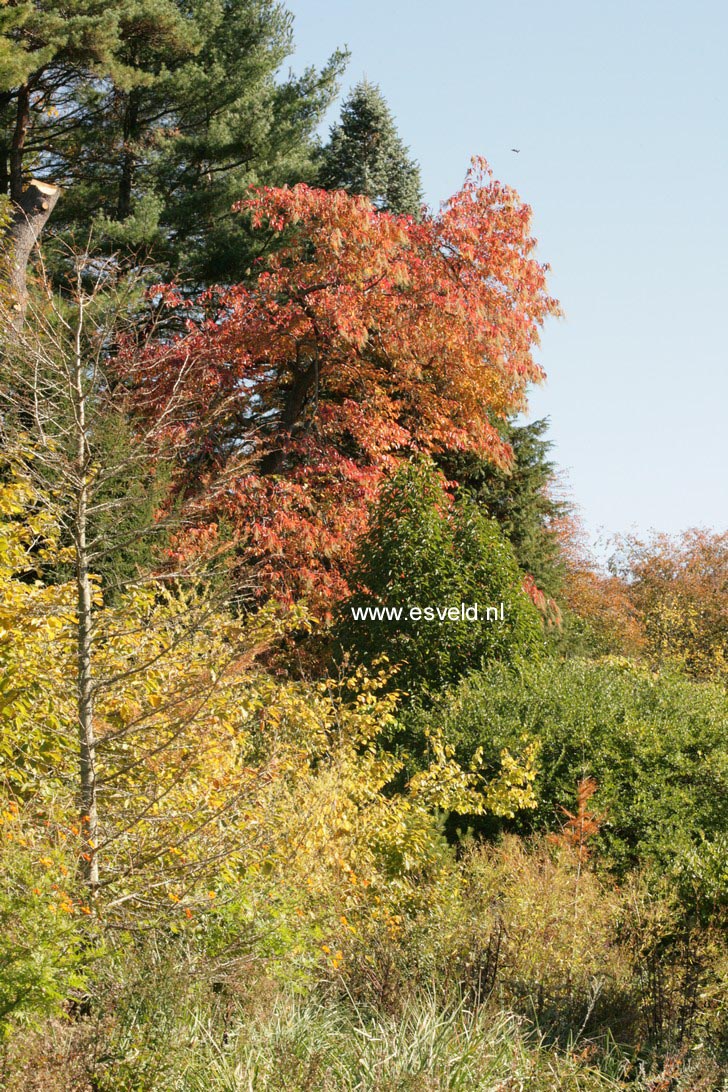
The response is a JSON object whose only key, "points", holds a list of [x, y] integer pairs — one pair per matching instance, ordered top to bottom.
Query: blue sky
{"points": [[619, 112]]}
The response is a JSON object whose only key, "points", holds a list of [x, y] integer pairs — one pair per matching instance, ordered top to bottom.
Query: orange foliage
{"points": [[365, 337], [678, 588], [598, 597], [664, 598], [583, 824]]}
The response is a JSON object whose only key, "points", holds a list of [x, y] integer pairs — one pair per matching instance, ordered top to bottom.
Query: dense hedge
{"points": [[657, 745]]}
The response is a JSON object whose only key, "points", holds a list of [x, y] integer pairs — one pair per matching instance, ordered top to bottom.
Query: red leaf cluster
{"points": [[365, 337]]}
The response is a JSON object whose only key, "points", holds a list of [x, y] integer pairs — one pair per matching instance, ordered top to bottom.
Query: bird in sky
{"points": [[516, 150]]}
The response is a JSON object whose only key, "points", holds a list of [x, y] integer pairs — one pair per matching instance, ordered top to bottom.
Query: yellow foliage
{"points": [[35, 655], [213, 774]]}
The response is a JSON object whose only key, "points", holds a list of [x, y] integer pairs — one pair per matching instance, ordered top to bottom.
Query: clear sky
{"points": [[619, 112]]}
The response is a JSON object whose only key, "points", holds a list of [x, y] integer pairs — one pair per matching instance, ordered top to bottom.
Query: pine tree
{"points": [[53, 53], [56, 60], [154, 116], [239, 125], [192, 141], [366, 155]]}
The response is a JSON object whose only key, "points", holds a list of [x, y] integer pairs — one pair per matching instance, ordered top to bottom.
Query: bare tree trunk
{"points": [[6, 97], [17, 147], [30, 215], [86, 735]]}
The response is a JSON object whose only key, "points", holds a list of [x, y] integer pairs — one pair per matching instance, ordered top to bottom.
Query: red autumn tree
{"points": [[365, 337]]}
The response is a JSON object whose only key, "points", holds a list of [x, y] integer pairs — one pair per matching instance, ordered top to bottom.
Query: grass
{"points": [[164, 1038], [327, 1047]]}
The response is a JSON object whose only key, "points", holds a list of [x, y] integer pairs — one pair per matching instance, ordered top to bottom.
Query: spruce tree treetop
{"points": [[365, 154]]}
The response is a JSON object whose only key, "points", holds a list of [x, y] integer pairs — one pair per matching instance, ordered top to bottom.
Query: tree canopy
{"points": [[154, 117], [365, 337]]}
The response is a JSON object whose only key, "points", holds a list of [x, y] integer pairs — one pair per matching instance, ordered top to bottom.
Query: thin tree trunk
{"points": [[6, 97], [17, 147], [89, 865]]}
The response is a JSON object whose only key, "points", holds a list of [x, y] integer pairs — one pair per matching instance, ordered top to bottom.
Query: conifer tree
{"points": [[53, 54], [56, 59], [153, 117], [196, 137], [365, 154], [73, 457], [521, 498]]}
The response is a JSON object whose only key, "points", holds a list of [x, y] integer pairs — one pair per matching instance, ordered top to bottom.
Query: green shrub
{"points": [[424, 551], [657, 746], [40, 939]]}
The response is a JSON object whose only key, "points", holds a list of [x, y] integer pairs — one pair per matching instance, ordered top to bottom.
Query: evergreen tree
{"points": [[54, 55], [154, 116], [199, 135], [366, 155], [521, 499]]}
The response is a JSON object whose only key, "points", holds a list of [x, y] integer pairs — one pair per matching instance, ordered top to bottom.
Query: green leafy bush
{"points": [[425, 551], [657, 745], [40, 939]]}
